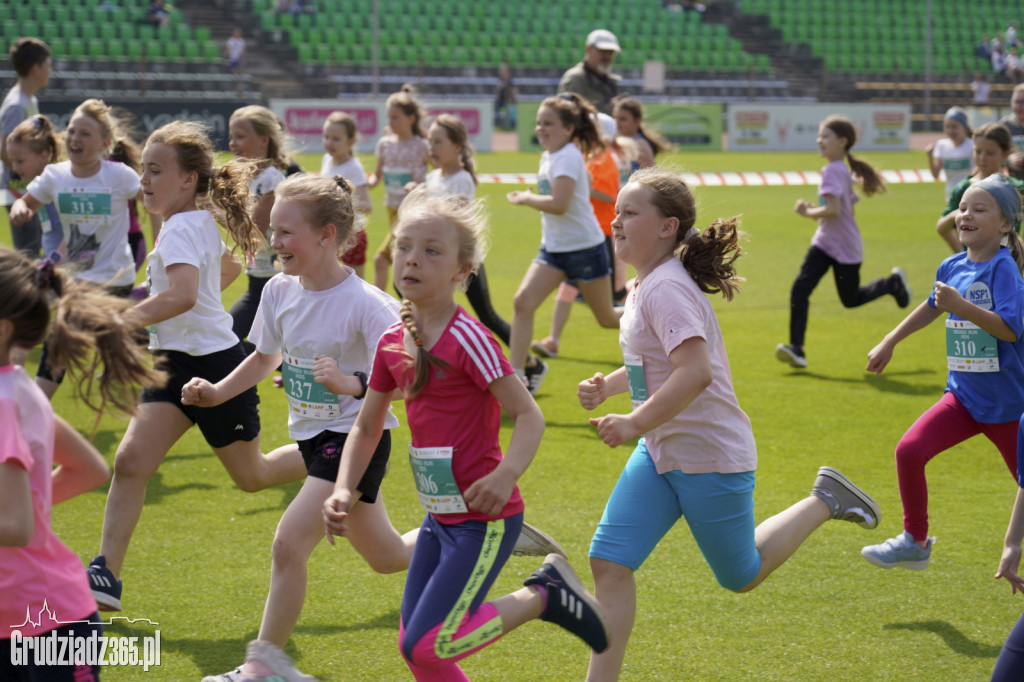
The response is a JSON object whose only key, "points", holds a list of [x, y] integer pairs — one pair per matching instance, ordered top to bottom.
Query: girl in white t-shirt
{"points": [[255, 133], [340, 135], [952, 154], [91, 195], [572, 244], [324, 323], [190, 334], [696, 456]]}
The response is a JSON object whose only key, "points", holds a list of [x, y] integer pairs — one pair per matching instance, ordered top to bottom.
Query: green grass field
{"points": [[200, 560]]}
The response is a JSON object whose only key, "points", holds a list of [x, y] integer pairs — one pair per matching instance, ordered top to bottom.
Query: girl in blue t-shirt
{"points": [[982, 291]]}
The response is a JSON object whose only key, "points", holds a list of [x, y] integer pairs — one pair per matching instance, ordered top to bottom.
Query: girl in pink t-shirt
{"points": [[836, 244], [456, 383], [696, 455], [42, 581]]}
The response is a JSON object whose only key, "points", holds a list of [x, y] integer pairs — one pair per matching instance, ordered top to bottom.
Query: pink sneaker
{"points": [[546, 347]]}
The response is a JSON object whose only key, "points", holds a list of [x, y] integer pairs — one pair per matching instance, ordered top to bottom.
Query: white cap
{"points": [[603, 39], [606, 126]]}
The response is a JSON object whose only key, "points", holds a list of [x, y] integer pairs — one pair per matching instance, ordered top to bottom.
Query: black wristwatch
{"points": [[364, 382]]}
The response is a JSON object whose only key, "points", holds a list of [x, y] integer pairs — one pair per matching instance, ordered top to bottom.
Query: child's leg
{"points": [[382, 259], [816, 264], [540, 280], [851, 293], [598, 295], [480, 298], [564, 299], [243, 312], [942, 426], [150, 434], [1009, 438], [251, 470], [300, 530], [377, 540], [1010, 665]]}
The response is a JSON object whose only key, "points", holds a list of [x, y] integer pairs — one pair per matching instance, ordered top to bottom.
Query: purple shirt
{"points": [[839, 236]]}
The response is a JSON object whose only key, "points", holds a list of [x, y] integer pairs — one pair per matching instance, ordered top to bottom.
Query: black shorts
{"points": [[232, 421], [322, 455]]}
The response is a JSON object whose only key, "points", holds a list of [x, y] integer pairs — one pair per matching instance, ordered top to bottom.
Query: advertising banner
{"points": [[794, 127]]}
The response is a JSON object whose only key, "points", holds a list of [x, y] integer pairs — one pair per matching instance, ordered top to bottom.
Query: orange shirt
{"points": [[604, 177]]}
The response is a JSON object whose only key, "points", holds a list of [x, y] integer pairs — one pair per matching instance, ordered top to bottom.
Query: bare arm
{"points": [[934, 164], [362, 202], [557, 203], [23, 209], [830, 209], [261, 212], [230, 269], [177, 298], [949, 300], [922, 316], [256, 367], [598, 388], [81, 466], [17, 524], [1009, 563]]}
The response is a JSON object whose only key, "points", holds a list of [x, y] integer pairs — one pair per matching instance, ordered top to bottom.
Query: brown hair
{"points": [[26, 53], [626, 103], [410, 107], [573, 110], [343, 119], [265, 122], [455, 129], [996, 132], [37, 133], [865, 172], [222, 190], [323, 201], [709, 255], [89, 337]]}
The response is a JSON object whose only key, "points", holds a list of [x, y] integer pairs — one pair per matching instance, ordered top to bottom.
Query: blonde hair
{"points": [[408, 105], [345, 120], [265, 123], [111, 126], [455, 129], [37, 133], [222, 190], [324, 201], [469, 221], [709, 255], [89, 335]]}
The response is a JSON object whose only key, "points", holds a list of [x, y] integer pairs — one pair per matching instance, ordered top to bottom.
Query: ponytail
{"points": [[573, 110], [869, 177], [228, 197], [1016, 249], [710, 257], [423, 358]]}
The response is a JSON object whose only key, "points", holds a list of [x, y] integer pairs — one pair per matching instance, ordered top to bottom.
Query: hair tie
{"points": [[38, 122], [46, 269], [418, 341]]}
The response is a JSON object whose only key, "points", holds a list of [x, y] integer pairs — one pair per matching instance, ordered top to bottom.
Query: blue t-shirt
{"points": [[990, 397]]}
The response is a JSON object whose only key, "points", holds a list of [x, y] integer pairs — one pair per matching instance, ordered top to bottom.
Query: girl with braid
{"points": [[456, 383]]}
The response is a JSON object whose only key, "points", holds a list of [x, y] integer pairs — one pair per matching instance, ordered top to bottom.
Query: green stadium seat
{"points": [[59, 47], [76, 49], [305, 53]]}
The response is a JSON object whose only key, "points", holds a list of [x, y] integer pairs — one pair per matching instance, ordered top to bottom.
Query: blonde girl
{"points": [[629, 117], [255, 133], [339, 138], [992, 146], [31, 147], [952, 154], [402, 155], [91, 194], [837, 243], [572, 244], [981, 291], [324, 323], [190, 335], [456, 383], [696, 457], [37, 571]]}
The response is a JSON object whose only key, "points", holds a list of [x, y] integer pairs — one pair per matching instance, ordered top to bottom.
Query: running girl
{"points": [[629, 117], [340, 137], [31, 147], [952, 154], [456, 382]]}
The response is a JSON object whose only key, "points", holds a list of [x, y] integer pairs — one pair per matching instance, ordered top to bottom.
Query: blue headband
{"points": [[957, 115], [1005, 194]]}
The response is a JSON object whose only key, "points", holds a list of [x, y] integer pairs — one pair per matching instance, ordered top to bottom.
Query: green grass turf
{"points": [[200, 559]]}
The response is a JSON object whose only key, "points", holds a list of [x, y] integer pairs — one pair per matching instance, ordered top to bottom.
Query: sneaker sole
{"points": [[902, 275], [542, 350], [784, 356], [869, 503], [540, 543], [919, 565], [565, 569], [105, 602]]}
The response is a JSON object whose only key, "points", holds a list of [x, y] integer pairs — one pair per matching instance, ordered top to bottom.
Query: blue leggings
{"points": [[644, 505], [1010, 665]]}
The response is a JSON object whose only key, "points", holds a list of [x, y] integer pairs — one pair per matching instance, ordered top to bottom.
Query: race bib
{"points": [[395, 179], [544, 187], [84, 208], [970, 348], [637, 380], [306, 397], [435, 483]]}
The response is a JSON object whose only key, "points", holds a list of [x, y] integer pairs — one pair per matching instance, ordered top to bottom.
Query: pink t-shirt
{"points": [[401, 162], [839, 237], [456, 408], [712, 434], [45, 570]]}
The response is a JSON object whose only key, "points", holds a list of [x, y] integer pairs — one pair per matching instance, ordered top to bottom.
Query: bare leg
{"points": [[381, 266], [539, 281], [598, 295], [563, 308], [48, 387], [151, 433], [251, 470], [781, 535], [376, 540], [615, 590], [521, 606]]}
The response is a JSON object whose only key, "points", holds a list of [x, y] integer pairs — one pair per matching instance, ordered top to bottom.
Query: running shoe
{"points": [[902, 291], [791, 356], [846, 501], [532, 541], [902, 551], [106, 589], [569, 605]]}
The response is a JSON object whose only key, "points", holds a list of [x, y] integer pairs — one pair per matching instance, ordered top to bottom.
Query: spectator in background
{"points": [[158, 15], [1011, 36], [234, 49], [984, 49], [998, 62], [1013, 70], [592, 79], [981, 89], [505, 98], [1015, 121]]}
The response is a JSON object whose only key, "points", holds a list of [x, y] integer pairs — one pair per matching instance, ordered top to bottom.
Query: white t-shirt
{"points": [[956, 161], [351, 170], [262, 184], [460, 184], [94, 214], [577, 228], [192, 238], [344, 323], [712, 434]]}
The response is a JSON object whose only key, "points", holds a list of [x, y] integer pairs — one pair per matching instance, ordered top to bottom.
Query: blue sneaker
{"points": [[902, 551], [106, 589], [569, 605]]}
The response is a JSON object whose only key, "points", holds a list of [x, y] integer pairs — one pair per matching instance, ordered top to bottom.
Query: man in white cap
{"points": [[592, 78]]}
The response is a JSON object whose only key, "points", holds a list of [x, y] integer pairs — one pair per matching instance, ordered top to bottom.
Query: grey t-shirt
{"points": [[17, 106]]}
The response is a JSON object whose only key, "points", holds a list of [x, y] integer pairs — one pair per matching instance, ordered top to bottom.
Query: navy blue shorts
{"points": [[584, 265]]}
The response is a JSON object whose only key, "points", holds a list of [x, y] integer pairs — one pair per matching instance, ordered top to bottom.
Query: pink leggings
{"points": [[942, 426]]}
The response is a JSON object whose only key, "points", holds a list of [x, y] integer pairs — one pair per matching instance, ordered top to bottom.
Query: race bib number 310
{"points": [[969, 348]]}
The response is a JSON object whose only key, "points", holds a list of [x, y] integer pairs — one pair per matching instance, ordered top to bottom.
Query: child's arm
{"points": [[644, 153], [933, 163], [374, 178], [362, 202], [557, 203], [23, 209], [830, 209], [261, 212], [230, 268], [177, 298], [949, 300], [921, 317], [256, 367], [327, 373], [690, 376], [598, 388], [359, 447], [81, 466], [490, 493], [16, 522], [1009, 564]]}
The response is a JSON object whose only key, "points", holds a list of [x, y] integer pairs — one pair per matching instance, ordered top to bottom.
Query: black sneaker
{"points": [[901, 288], [794, 357], [535, 376], [106, 589], [569, 605]]}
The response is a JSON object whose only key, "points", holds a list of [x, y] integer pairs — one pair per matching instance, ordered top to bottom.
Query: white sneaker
{"points": [[532, 541], [268, 663], [232, 676]]}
